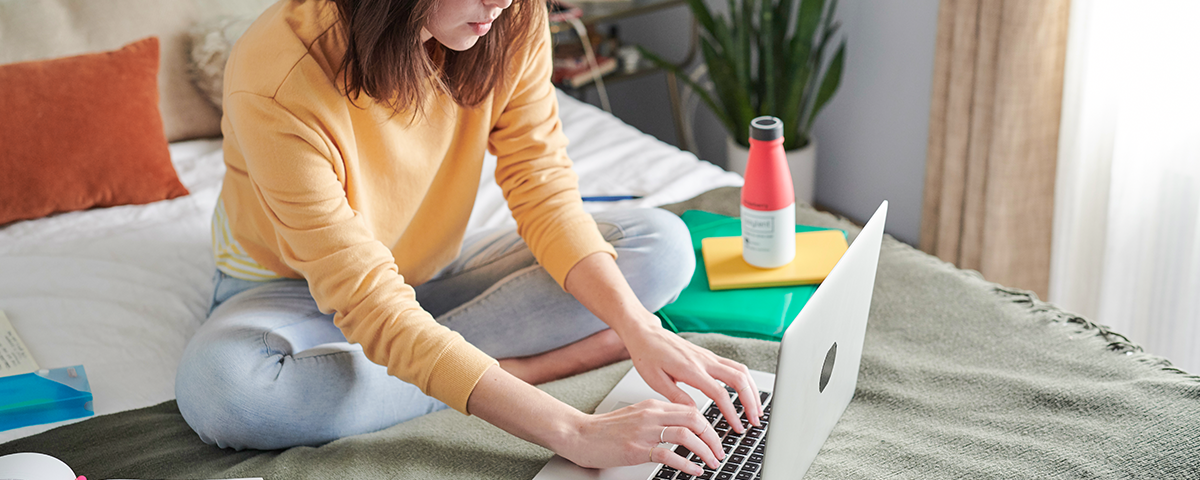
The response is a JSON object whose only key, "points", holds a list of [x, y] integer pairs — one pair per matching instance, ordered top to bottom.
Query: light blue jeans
{"points": [[268, 370]]}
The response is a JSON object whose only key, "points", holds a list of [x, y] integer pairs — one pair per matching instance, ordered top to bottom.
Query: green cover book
{"points": [[762, 313]]}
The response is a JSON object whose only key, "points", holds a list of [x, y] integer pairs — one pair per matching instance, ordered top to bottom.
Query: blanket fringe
{"points": [[1117, 342]]}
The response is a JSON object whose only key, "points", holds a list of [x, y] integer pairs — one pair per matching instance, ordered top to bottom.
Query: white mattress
{"points": [[121, 290]]}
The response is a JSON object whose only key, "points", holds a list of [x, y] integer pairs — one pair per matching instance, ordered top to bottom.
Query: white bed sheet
{"points": [[121, 290]]}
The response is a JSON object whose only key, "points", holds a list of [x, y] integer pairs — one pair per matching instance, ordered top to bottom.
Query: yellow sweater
{"points": [[364, 204]]}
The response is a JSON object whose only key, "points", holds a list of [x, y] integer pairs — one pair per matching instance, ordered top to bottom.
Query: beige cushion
{"points": [[41, 29], [212, 40]]}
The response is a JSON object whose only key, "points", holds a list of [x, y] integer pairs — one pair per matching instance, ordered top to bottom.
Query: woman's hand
{"points": [[661, 357], [664, 359], [627, 436], [630, 436]]}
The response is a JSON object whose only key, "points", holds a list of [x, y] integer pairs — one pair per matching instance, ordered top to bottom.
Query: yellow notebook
{"points": [[816, 254]]}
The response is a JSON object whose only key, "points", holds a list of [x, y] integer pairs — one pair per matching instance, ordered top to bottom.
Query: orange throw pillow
{"points": [[82, 132]]}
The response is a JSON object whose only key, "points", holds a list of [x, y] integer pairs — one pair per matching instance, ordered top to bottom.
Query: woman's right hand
{"points": [[626, 436], [630, 436]]}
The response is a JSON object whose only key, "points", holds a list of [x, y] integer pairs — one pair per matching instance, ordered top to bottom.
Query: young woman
{"points": [[346, 296]]}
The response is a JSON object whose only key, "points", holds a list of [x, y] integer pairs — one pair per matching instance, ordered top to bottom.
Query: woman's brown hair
{"points": [[386, 60]]}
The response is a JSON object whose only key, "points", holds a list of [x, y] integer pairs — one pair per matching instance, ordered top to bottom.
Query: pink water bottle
{"points": [[768, 203]]}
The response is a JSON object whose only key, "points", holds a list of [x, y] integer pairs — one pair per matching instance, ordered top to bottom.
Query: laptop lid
{"points": [[819, 357]]}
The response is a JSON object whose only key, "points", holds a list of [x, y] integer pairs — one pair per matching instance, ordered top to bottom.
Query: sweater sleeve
{"points": [[534, 172], [297, 176]]}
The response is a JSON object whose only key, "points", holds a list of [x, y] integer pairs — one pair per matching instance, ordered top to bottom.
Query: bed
{"points": [[120, 290], [961, 378]]}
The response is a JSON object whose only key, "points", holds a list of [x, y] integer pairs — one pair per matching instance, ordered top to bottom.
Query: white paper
{"points": [[14, 357]]}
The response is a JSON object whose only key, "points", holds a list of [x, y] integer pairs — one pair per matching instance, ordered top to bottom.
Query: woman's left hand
{"points": [[664, 359]]}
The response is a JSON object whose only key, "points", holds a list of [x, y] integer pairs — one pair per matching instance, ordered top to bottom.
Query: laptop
{"points": [[814, 381]]}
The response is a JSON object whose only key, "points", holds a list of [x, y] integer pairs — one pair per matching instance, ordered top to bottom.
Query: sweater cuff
{"points": [[571, 244], [456, 372]]}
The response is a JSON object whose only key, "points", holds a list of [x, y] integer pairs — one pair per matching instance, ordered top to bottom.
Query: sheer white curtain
{"points": [[1126, 244]]}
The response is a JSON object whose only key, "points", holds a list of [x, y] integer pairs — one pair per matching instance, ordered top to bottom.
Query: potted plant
{"points": [[767, 57]]}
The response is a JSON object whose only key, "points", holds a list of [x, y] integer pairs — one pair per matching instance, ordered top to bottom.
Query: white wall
{"points": [[871, 137]]}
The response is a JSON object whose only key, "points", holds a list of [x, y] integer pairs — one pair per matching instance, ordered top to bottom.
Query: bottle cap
{"points": [[766, 128]]}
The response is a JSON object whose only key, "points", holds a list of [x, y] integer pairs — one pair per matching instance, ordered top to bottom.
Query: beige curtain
{"points": [[993, 137]]}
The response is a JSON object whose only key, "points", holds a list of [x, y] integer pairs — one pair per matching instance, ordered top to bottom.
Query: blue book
{"points": [[44, 396]]}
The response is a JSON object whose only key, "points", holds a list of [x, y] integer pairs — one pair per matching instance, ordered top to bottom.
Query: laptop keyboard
{"points": [[743, 453]]}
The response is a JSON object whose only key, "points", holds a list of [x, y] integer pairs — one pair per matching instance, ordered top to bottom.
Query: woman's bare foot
{"points": [[595, 351]]}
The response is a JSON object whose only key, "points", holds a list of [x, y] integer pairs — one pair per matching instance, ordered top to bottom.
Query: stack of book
{"points": [[571, 65], [727, 295], [30, 395]]}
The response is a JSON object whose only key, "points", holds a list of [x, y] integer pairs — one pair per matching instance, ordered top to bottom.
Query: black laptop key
{"points": [[754, 432], [748, 441], [759, 449], [742, 450], [735, 458], [756, 458], [750, 467], [666, 472], [724, 476], [744, 476]]}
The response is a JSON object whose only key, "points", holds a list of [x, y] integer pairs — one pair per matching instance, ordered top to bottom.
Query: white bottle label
{"points": [[769, 237]]}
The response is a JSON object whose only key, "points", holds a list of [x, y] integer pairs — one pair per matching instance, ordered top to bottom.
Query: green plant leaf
{"points": [[830, 12], [703, 15], [783, 16], [810, 17], [745, 27], [800, 53], [766, 59], [759, 66], [799, 78], [829, 84], [701, 91], [734, 97]]}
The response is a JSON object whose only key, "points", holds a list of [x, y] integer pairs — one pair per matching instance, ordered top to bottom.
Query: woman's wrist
{"points": [[599, 285], [637, 322], [525, 411], [567, 435]]}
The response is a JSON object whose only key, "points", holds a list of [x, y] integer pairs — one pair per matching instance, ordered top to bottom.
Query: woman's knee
{"points": [[654, 251], [236, 391], [216, 399]]}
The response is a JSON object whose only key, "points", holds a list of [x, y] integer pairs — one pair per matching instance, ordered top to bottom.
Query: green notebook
{"points": [[762, 313]]}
